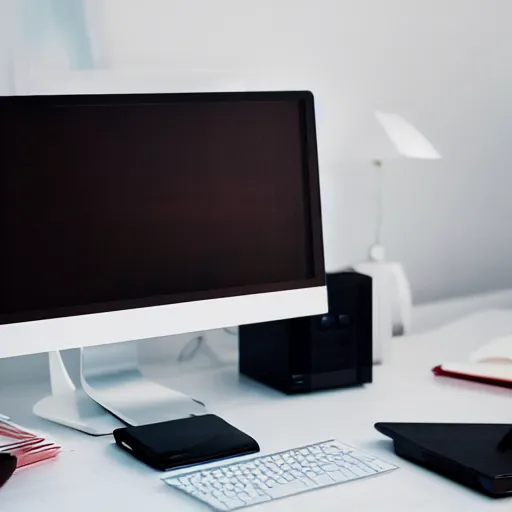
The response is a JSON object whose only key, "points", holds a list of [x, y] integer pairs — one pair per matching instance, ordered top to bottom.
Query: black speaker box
{"points": [[301, 355]]}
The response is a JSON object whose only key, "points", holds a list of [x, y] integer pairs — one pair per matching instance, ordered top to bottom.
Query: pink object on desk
{"points": [[27, 447]]}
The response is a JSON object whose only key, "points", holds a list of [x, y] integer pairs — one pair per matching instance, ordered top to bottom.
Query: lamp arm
{"points": [[379, 189]]}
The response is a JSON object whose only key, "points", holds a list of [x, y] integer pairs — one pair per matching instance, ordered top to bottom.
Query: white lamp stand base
{"points": [[392, 299]]}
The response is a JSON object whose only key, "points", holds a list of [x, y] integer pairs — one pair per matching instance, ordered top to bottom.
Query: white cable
{"points": [[190, 349]]}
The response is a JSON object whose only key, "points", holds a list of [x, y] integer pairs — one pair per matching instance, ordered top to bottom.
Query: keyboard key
{"points": [[329, 467], [338, 476], [322, 480], [289, 489], [220, 495], [212, 501]]}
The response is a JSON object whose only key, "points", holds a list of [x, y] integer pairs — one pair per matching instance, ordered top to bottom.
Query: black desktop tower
{"points": [[301, 355]]}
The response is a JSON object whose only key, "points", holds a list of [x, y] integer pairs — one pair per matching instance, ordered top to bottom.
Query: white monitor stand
{"points": [[113, 393]]}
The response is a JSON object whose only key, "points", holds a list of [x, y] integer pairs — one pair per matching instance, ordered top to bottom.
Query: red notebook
{"points": [[491, 364], [441, 371]]}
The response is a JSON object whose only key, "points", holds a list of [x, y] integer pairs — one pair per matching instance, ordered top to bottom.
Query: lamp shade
{"points": [[405, 138]]}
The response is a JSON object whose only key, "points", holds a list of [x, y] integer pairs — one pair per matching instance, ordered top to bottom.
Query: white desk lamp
{"points": [[408, 142]]}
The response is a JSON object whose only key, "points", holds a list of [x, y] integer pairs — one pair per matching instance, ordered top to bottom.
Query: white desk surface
{"points": [[94, 475]]}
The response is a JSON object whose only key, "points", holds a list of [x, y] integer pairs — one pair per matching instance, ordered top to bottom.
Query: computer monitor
{"points": [[127, 217]]}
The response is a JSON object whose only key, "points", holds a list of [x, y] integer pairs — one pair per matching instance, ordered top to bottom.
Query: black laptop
{"points": [[476, 455]]}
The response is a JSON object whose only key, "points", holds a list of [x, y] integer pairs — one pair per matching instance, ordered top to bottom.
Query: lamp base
{"points": [[400, 296], [392, 303], [401, 304]]}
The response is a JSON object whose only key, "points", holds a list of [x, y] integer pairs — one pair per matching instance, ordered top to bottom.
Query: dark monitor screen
{"points": [[110, 202]]}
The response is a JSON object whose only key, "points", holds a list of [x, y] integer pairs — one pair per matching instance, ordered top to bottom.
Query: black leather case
{"points": [[184, 442]]}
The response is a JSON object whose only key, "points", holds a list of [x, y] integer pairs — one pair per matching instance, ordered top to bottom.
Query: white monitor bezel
{"points": [[38, 336]]}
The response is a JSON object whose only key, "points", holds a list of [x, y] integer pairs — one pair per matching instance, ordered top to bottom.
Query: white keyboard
{"points": [[269, 477]]}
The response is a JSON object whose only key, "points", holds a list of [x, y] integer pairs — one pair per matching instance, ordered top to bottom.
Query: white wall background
{"points": [[443, 64]]}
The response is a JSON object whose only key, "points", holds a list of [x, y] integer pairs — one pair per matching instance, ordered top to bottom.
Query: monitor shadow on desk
{"points": [[216, 386], [223, 388]]}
